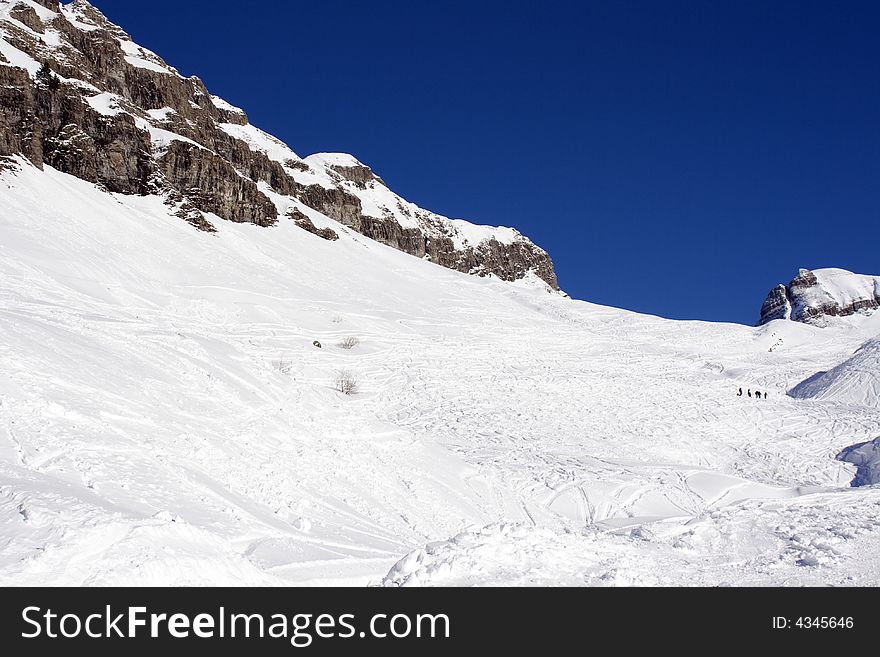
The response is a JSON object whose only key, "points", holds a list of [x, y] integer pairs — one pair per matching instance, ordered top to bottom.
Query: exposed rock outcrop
{"points": [[52, 5], [26, 15], [114, 113], [360, 175], [211, 184], [308, 225], [815, 296], [776, 305]]}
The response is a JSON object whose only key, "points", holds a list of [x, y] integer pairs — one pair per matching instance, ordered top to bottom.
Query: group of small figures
{"points": [[757, 393]]}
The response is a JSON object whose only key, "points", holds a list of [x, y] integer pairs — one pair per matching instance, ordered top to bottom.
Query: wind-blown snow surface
{"points": [[854, 381], [165, 419]]}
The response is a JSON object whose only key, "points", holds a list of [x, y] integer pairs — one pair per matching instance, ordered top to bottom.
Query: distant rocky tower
{"points": [[77, 94], [815, 296]]}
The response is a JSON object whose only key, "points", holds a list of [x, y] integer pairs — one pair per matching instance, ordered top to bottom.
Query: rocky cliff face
{"points": [[77, 94], [815, 296]]}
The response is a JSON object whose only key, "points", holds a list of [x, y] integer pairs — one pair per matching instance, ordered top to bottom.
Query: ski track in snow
{"points": [[165, 419]]}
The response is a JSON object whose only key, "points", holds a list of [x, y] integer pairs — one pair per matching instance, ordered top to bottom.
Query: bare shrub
{"points": [[337, 319], [349, 343], [283, 365], [346, 382]]}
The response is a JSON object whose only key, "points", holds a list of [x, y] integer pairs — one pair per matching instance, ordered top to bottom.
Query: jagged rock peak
{"points": [[86, 14], [347, 166], [814, 296]]}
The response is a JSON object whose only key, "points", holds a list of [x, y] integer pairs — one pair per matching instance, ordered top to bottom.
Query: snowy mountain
{"points": [[108, 111], [815, 296], [171, 399]]}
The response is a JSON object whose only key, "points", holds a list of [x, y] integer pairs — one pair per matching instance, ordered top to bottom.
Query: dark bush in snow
{"points": [[349, 343]]}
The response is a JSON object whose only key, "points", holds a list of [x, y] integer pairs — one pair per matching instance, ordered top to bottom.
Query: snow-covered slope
{"points": [[854, 381], [166, 419]]}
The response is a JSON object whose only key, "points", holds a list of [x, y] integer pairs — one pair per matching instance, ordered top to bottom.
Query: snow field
{"points": [[166, 419]]}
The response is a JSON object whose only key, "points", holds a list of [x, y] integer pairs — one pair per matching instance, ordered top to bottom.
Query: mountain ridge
{"points": [[116, 114]]}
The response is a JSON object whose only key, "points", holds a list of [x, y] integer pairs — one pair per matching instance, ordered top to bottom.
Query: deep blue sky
{"points": [[676, 158]]}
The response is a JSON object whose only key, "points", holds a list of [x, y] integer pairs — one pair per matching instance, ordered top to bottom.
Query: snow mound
{"points": [[854, 381], [866, 457], [801, 541]]}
